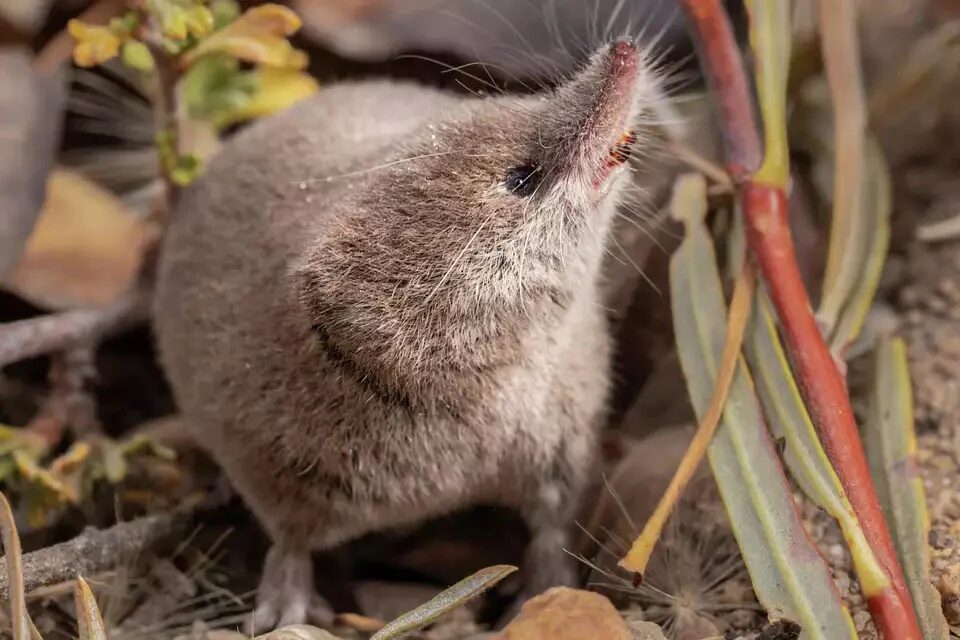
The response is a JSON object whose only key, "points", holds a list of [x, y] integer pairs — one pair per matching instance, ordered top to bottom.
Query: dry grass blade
{"points": [[838, 26], [874, 228], [870, 237], [891, 449], [638, 557], [789, 576], [447, 600], [20, 620], [89, 621]]}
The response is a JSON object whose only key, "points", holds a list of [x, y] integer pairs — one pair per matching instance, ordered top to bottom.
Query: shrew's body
{"points": [[383, 305]]}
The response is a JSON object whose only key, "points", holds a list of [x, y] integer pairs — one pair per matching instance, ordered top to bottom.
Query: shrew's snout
{"points": [[609, 134]]}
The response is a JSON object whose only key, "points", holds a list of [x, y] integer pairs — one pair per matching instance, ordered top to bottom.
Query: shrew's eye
{"points": [[523, 180]]}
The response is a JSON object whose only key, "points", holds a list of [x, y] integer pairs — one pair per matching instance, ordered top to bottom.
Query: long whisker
{"points": [[385, 165]]}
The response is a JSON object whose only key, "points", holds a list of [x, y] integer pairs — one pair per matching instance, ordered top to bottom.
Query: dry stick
{"points": [[768, 236], [59, 331], [71, 400], [93, 551], [638, 557]]}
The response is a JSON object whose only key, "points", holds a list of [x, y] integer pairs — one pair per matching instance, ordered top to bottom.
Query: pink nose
{"points": [[623, 47], [624, 51]]}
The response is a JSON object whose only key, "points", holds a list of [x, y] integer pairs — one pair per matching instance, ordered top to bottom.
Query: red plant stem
{"points": [[727, 77], [768, 236]]}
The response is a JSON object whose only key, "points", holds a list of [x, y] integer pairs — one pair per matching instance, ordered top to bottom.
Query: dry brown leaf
{"points": [[84, 250]]}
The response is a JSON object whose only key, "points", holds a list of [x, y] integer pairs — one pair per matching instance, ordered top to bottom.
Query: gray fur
{"points": [[364, 341]]}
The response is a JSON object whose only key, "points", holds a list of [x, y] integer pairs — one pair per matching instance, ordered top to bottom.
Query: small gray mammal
{"points": [[383, 305]]}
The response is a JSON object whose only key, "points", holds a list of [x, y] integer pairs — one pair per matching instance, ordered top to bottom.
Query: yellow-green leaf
{"points": [[224, 12], [177, 21], [199, 21], [259, 36], [770, 38], [95, 45], [137, 56], [215, 87], [276, 90], [182, 168], [186, 168], [891, 446], [114, 461], [808, 462], [70, 468], [43, 494], [788, 574], [447, 600], [89, 621]]}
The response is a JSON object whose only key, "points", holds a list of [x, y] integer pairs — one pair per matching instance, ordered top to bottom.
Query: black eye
{"points": [[523, 180]]}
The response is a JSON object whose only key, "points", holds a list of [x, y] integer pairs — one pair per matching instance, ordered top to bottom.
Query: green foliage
{"points": [[181, 19], [197, 44], [136, 55], [215, 87], [182, 168], [891, 444], [44, 488], [789, 576]]}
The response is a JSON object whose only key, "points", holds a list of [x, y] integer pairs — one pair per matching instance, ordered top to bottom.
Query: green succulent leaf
{"points": [[891, 446], [789, 576], [447, 600]]}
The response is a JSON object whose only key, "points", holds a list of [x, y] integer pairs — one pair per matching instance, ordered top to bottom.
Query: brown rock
{"points": [[567, 614]]}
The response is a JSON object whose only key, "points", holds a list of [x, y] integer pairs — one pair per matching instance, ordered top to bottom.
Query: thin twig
{"points": [[704, 165], [56, 332], [70, 404], [93, 551]]}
